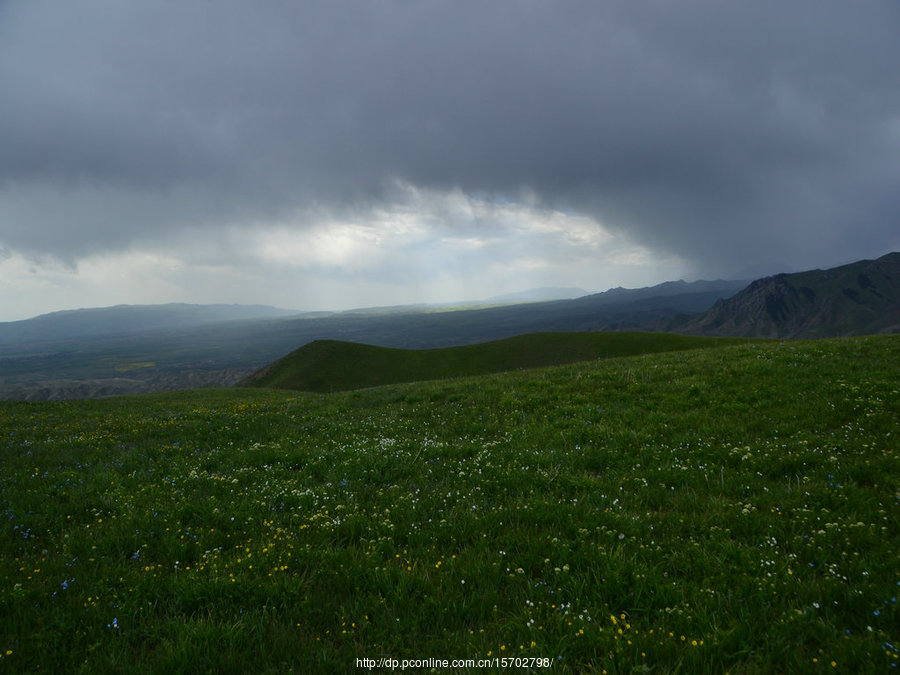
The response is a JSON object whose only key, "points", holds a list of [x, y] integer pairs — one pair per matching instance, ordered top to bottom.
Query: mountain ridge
{"points": [[858, 298], [123, 319], [39, 361], [45, 362]]}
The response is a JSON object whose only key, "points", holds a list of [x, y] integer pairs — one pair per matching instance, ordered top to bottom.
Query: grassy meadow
{"points": [[713, 510]]}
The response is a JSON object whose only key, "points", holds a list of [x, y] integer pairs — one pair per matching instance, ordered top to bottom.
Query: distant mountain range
{"points": [[542, 294], [861, 298], [130, 319], [134, 349], [137, 349]]}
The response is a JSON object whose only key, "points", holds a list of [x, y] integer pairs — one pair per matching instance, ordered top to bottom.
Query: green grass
{"points": [[332, 365], [722, 510]]}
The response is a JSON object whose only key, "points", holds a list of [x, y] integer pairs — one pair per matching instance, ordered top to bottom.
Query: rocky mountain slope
{"points": [[861, 298]]}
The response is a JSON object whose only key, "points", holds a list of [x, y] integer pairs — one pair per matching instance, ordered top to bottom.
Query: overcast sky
{"points": [[327, 155]]}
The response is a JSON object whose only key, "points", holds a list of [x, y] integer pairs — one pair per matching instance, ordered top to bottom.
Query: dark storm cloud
{"points": [[728, 133]]}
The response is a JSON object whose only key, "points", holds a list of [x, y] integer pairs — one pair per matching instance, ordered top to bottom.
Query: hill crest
{"points": [[333, 365]]}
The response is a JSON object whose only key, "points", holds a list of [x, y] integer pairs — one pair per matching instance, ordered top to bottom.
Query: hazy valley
{"points": [[137, 349]]}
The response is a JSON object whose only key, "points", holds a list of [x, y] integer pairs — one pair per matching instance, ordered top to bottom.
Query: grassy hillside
{"points": [[331, 365], [702, 511]]}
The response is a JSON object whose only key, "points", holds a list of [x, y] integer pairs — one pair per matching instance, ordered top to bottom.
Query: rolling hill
{"points": [[861, 298], [140, 349], [331, 365]]}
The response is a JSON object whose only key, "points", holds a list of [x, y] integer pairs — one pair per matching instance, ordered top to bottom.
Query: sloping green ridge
{"points": [[333, 365]]}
